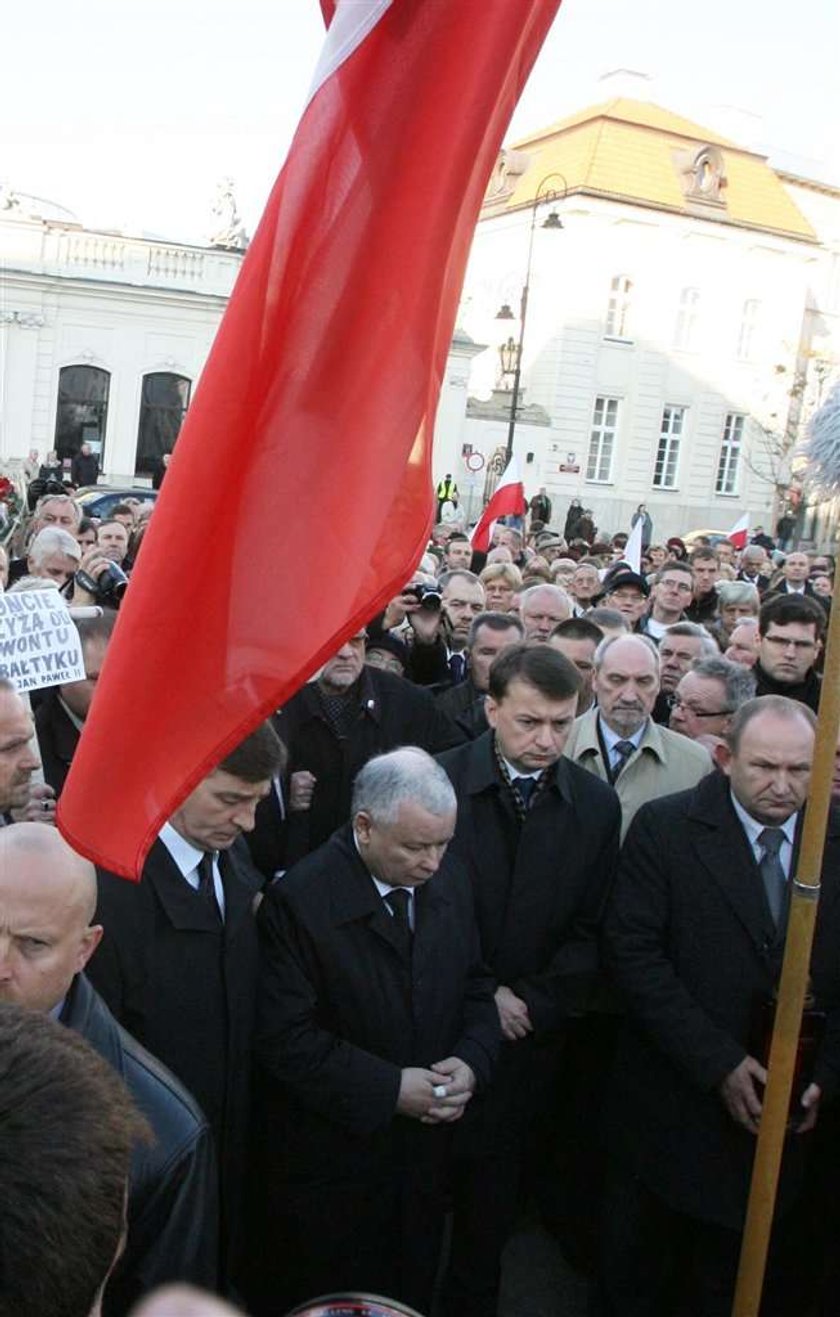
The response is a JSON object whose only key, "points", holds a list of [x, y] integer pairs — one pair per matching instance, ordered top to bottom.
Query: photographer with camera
{"points": [[99, 579], [438, 640]]}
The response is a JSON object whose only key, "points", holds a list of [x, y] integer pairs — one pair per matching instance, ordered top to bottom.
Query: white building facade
{"points": [[679, 328], [102, 337]]}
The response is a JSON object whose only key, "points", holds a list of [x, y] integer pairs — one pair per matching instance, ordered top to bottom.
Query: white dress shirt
{"points": [[611, 740], [754, 829], [187, 858]]}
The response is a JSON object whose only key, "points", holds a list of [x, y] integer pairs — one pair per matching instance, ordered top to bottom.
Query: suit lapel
{"points": [[725, 853], [181, 905]]}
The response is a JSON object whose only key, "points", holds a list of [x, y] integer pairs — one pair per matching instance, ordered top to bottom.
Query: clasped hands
{"points": [[437, 1096]]}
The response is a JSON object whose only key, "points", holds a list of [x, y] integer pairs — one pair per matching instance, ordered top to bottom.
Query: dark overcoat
{"points": [[694, 953], [185, 987], [342, 1009]]}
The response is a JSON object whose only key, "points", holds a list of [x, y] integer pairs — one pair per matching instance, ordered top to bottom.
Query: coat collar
{"points": [[368, 697], [587, 742], [483, 771], [725, 852], [353, 895], [179, 901]]}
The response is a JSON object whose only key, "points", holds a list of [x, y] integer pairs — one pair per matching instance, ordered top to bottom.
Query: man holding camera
{"points": [[439, 636]]}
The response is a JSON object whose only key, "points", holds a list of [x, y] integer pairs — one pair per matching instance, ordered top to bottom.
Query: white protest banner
{"points": [[39, 645]]}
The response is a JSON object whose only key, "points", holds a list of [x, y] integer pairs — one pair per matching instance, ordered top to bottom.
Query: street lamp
{"points": [[511, 353]]}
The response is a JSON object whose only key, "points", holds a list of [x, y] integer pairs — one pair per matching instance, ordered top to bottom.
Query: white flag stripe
{"points": [[351, 23], [633, 548]]}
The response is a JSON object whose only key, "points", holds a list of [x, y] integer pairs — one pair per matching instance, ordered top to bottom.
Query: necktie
{"points": [[457, 668], [623, 751], [526, 786], [772, 873], [206, 885], [398, 901]]}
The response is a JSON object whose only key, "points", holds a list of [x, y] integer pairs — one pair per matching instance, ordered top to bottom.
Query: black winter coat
{"points": [[694, 953], [186, 989], [173, 1225]]}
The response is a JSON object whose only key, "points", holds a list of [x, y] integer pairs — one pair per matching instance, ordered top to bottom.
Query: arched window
{"points": [[618, 307], [685, 330], [163, 404], [82, 410]]}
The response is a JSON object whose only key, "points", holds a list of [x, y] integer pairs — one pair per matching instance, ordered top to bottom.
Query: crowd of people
{"points": [[489, 916]]}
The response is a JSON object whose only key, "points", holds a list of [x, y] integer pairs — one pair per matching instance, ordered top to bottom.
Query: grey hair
{"points": [[52, 539], [555, 590], [737, 592], [608, 642], [709, 648], [738, 682], [780, 705], [390, 780]]}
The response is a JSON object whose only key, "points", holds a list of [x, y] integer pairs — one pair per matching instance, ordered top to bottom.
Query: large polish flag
{"points": [[300, 496], [507, 501]]}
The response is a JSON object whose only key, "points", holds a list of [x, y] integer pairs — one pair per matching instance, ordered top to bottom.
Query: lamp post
{"points": [[511, 353]]}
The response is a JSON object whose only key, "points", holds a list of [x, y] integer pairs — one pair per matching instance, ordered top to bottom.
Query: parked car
{"points": [[100, 500], [714, 536]]}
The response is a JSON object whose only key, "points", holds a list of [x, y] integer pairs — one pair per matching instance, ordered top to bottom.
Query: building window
{"points": [[618, 307], [749, 326], [685, 330], [163, 404], [82, 410], [602, 440], [668, 452], [730, 454]]}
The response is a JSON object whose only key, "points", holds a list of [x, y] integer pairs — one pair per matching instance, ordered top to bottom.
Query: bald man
{"points": [[47, 936]]}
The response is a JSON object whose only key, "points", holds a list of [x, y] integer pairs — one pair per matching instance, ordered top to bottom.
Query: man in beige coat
{"points": [[619, 741]]}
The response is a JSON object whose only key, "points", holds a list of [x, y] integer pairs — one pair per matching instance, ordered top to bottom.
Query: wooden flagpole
{"points": [[794, 981]]}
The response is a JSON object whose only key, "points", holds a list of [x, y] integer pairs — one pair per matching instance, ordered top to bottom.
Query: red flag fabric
{"points": [[299, 497], [507, 501], [739, 533]]}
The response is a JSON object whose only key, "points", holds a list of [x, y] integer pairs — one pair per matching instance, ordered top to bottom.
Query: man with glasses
{"points": [[671, 594], [791, 629], [680, 646], [707, 697]]}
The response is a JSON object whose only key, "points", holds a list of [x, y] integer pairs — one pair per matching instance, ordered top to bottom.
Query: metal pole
{"points": [[523, 311], [792, 991]]}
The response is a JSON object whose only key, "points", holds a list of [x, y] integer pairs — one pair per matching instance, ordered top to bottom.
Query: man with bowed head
{"points": [[539, 838], [694, 937], [376, 1027]]}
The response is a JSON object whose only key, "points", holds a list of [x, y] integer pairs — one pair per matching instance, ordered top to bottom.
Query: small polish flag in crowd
{"points": [[508, 501], [740, 532]]}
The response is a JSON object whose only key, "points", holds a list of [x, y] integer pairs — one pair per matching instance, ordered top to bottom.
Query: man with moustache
{"points": [[618, 740]]}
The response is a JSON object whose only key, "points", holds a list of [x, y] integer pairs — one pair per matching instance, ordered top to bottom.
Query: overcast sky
{"points": [[129, 113]]}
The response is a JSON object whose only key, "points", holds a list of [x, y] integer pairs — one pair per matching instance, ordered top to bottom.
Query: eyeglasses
{"points": [[785, 642], [678, 703]]}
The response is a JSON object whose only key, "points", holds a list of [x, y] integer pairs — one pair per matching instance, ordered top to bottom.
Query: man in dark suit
{"points": [[331, 728], [539, 837], [48, 895], [694, 938], [178, 961], [376, 1026]]}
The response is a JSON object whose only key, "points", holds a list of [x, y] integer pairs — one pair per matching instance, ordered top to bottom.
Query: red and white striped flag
{"points": [[300, 495], [507, 501], [739, 533]]}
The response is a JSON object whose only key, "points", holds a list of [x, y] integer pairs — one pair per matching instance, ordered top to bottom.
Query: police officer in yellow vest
{"points": [[446, 492]]}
